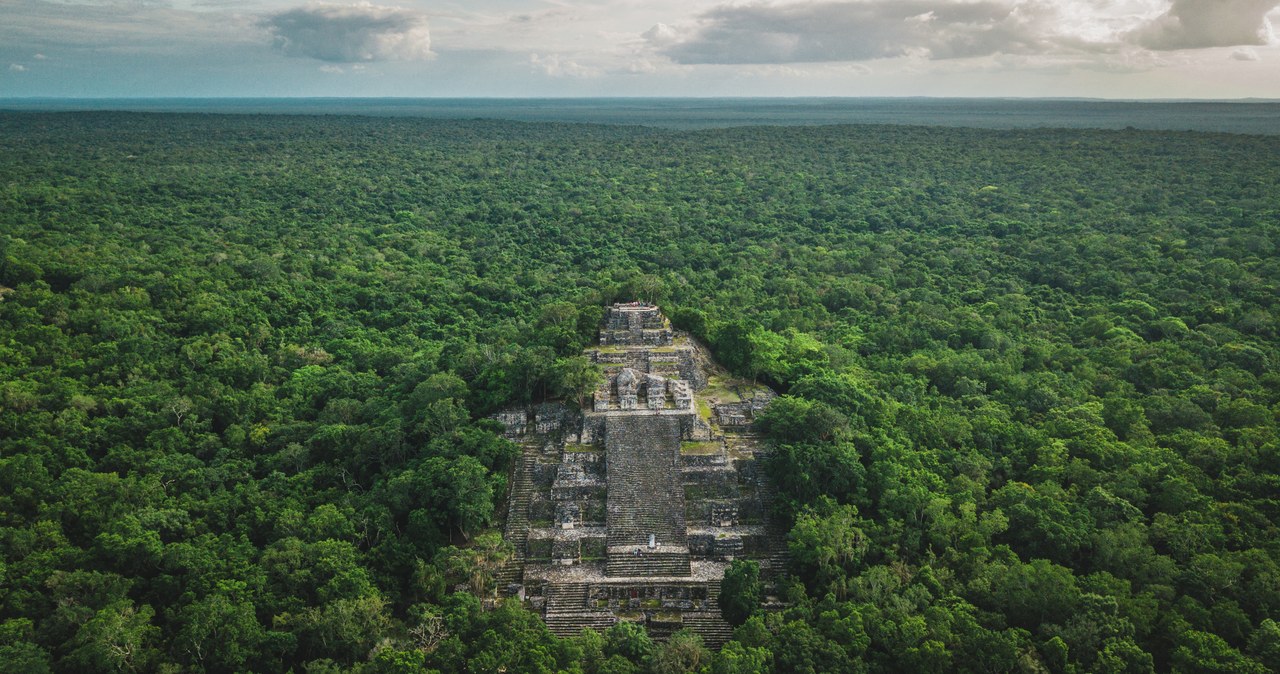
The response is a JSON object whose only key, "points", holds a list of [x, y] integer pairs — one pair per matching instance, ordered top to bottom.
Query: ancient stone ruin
{"points": [[632, 507]]}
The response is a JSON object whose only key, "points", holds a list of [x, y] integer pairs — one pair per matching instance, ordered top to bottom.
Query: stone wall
{"points": [[635, 325], [592, 485]]}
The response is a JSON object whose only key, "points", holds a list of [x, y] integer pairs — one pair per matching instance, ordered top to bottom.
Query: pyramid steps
{"points": [[640, 486], [517, 525], [648, 564], [566, 597], [571, 623], [713, 629]]}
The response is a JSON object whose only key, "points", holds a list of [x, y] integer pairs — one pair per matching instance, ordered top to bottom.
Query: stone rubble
{"points": [[632, 508]]}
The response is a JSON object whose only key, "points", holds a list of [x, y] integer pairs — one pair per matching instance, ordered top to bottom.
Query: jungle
{"points": [[1030, 386]]}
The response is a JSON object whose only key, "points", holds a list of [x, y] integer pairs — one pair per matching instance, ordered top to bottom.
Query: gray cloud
{"points": [[1196, 24], [868, 29], [351, 33]]}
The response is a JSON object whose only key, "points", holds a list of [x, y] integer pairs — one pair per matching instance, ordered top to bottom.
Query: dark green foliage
{"points": [[1031, 390], [797, 420], [741, 591], [628, 640], [683, 653]]}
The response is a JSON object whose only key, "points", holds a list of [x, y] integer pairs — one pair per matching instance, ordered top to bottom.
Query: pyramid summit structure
{"points": [[631, 507]]}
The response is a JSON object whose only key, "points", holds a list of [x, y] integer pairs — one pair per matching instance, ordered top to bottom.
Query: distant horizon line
{"points": [[1247, 99]]}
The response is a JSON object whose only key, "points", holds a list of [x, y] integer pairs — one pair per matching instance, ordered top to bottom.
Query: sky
{"points": [[578, 48]]}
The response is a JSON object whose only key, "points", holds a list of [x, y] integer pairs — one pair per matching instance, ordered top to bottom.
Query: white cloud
{"points": [[1197, 24], [825, 30], [814, 31], [351, 33], [661, 34], [641, 47], [39, 57], [553, 65], [641, 67], [17, 68]]}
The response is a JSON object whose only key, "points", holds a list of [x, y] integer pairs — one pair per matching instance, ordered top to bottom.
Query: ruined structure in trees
{"points": [[631, 508]]}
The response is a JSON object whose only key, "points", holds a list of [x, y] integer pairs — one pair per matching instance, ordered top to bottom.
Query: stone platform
{"points": [[631, 508]]}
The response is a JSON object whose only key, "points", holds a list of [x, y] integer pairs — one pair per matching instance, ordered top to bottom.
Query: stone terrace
{"points": [[595, 483]]}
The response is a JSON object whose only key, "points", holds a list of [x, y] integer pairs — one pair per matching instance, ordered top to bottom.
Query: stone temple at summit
{"points": [[631, 508]]}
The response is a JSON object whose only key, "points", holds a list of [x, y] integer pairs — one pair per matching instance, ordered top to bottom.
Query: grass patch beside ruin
{"points": [[721, 388], [700, 448], [669, 617]]}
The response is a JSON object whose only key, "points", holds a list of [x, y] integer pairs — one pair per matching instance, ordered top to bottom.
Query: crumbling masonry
{"points": [[631, 508]]}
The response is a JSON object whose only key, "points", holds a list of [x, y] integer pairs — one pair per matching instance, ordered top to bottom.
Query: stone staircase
{"points": [[647, 488], [644, 496], [517, 525], [777, 559], [648, 564], [713, 591], [565, 597], [567, 611], [571, 623], [708, 623], [713, 629]]}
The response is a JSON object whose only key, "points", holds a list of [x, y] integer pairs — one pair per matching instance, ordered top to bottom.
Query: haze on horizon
{"points": [[548, 48]]}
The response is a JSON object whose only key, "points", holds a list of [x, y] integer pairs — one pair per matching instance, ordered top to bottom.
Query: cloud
{"points": [[1197, 24], [860, 30], [69, 32], [351, 33], [661, 34], [1244, 54], [554, 66], [641, 67], [17, 68], [331, 69]]}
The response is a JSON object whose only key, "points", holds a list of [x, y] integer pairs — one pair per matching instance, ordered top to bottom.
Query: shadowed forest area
{"points": [[1031, 383]]}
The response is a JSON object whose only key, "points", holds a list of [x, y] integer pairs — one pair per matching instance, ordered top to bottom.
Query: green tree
{"points": [[575, 378], [791, 420], [827, 542], [478, 563], [741, 591], [343, 629], [220, 633], [118, 638], [628, 640], [1264, 644], [18, 651], [1204, 653], [681, 654], [736, 658]]}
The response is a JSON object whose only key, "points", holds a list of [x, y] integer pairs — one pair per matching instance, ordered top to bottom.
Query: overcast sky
{"points": [[1096, 48]]}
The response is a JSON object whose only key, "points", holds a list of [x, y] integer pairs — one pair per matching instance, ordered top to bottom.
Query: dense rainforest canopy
{"points": [[1031, 386]]}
